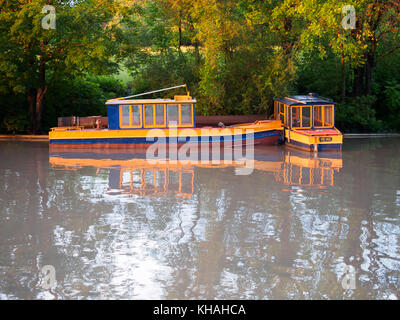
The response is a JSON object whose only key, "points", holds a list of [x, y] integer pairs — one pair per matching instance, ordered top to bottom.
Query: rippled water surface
{"points": [[115, 227]]}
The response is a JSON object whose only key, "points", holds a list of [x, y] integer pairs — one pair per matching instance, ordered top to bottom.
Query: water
{"points": [[116, 228]]}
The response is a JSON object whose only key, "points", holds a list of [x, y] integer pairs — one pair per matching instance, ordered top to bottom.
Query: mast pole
{"points": [[155, 91]]}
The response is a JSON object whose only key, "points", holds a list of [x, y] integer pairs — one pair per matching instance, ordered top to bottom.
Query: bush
{"points": [[391, 94], [67, 97], [80, 97], [13, 113], [358, 115], [14, 123]]}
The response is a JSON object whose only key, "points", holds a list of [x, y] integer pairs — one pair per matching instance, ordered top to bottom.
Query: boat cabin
{"points": [[305, 112], [126, 113]]}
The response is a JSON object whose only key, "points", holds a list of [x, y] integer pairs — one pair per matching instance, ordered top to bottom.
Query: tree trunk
{"points": [[180, 32], [197, 52], [369, 68], [343, 76], [358, 81], [40, 92], [31, 98], [35, 99], [39, 109]]}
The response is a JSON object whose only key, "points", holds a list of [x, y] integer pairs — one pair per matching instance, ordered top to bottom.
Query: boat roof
{"points": [[311, 99], [148, 101]]}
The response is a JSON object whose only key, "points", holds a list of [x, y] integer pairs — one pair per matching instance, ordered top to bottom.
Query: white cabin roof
{"points": [[148, 101]]}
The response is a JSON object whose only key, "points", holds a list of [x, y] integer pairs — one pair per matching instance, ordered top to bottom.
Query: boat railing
{"points": [[58, 129]]}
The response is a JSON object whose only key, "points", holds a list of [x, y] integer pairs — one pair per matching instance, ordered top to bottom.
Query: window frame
{"points": [[280, 105], [323, 106], [276, 110], [144, 115], [180, 115], [286, 115], [322, 115], [332, 115], [301, 116], [291, 117], [311, 117], [121, 123], [155, 124], [164, 124], [179, 124], [168, 125], [130, 126]]}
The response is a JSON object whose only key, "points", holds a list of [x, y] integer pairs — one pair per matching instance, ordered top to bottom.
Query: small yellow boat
{"points": [[138, 123], [309, 123]]}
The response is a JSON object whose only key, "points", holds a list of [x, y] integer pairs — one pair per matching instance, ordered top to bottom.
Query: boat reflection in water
{"points": [[305, 169], [132, 173]]}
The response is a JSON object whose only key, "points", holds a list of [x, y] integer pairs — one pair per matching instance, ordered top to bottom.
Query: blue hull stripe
{"points": [[135, 140], [332, 146], [321, 147]]}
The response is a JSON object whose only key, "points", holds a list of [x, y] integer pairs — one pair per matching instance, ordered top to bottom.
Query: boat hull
{"points": [[259, 137], [314, 141], [310, 148]]}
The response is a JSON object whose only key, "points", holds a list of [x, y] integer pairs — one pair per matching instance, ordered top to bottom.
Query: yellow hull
{"points": [[268, 130], [312, 140]]}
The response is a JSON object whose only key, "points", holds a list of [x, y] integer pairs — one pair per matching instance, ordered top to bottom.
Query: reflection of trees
{"points": [[23, 194], [371, 208], [317, 233], [235, 237], [236, 243]]}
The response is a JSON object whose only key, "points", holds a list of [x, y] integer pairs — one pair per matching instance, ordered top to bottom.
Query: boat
{"points": [[138, 123], [309, 123]]}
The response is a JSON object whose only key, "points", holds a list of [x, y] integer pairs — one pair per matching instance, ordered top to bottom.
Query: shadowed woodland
{"points": [[235, 57]]}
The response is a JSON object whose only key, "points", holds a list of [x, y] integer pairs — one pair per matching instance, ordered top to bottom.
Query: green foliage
{"points": [[236, 56], [32, 58], [164, 70], [318, 75], [80, 97], [392, 101], [358, 115], [12, 120], [14, 123]]}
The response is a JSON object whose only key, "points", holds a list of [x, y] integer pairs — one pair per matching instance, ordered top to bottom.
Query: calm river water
{"points": [[115, 227]]}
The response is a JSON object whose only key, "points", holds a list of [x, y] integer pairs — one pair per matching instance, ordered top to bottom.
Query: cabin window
{"points": [[282, 112], [135, 114], [160, 114], [186, 114], [125, 115], [149, 115], [154, 115], [173, 115], [286, 115], [130, 116], [323, 116], [328, 116], [296, 117], [306, 117], [318, 120]]}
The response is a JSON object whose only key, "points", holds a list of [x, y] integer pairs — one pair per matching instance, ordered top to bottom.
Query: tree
{"points": [[376, 22], [32, 57]]}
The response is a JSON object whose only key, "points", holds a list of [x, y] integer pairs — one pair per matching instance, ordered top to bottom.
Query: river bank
{"points": [[24, 137], [45, 137]]}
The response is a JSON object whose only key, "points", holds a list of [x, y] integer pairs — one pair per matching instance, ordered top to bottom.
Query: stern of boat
{"points": [[315, 140]]}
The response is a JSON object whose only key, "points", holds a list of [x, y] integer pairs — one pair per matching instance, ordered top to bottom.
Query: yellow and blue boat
{"points": [[138, 122], [309, 123]]}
